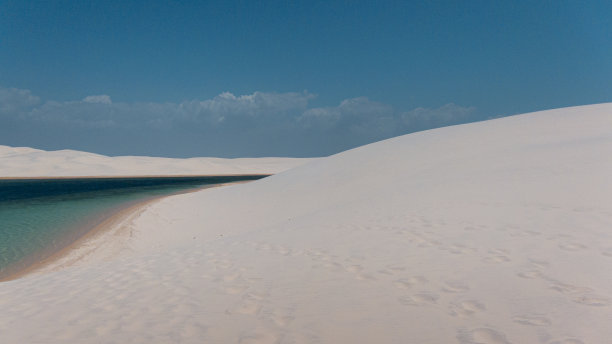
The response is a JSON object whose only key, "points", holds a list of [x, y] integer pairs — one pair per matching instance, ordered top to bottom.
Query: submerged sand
{"points": [[492, 232]]}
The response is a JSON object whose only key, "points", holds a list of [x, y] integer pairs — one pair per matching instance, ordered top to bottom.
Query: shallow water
{"points": [[40, 217]]}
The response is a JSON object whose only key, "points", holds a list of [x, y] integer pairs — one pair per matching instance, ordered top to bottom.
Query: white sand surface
{"points": [[30, 162], [491, 232]]}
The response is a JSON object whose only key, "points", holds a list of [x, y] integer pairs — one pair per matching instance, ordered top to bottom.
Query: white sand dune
{"points": [[30, 162], [491, 232]]}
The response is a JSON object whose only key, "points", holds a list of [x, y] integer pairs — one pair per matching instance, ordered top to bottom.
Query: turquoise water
{"points": [[41, 217]]}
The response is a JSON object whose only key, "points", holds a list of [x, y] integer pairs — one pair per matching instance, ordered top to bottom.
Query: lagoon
{"points": [[39, 217]]}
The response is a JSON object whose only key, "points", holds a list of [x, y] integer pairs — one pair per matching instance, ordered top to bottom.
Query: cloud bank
{"points": [[259, 124]]}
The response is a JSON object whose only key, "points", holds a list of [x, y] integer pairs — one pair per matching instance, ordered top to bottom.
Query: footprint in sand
{"points": [[474, 228], [525, 233], [562, 236], [572, 246], [264, 247], [460, 249], [282, 250], [499, 251], [607, 252], [316, 254], [496, 259], [221, 263], [539, 263], [333, 266], [355, 268], [392, 270], [531, 274], [363, 276], [231, 277], [418, 279], [407, 283], [402, 284], [455, 287], [566, 288], [235, 289], [581, 295], [421, 299], [592, 300], [250, 304], [247, 307], [466, 308], [280, 317], [282, 320], [531, 320], [259, 336], [482, 336]]}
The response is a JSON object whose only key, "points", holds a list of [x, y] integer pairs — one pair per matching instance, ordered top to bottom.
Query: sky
{"points": [[279, 78]]}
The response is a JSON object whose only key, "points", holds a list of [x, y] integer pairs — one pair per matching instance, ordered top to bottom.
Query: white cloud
{"points": [[103, 99], [14, 101], [257, 105], [353, 112], [79, 113], [360, 115], [367, 118], [259, 123]]}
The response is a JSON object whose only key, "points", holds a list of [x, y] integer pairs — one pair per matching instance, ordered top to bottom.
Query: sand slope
{"points": [[29, 162], [492, 232]]}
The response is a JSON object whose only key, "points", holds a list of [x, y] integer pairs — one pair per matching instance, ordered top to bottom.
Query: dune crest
{"points": [[30, 162]]}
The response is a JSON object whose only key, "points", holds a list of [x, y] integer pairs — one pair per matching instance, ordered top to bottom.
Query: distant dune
{"points": [[29, 162], [492, 232]]}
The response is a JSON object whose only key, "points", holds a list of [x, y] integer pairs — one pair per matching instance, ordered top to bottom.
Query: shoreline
{"points": [[137, 176], [98, 229]]}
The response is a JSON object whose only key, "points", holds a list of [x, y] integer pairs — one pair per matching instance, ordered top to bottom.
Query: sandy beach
{"points": [[493, 232]]}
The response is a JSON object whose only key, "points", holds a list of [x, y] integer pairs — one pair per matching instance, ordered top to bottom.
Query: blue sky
{"points": [[247, 78]]}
